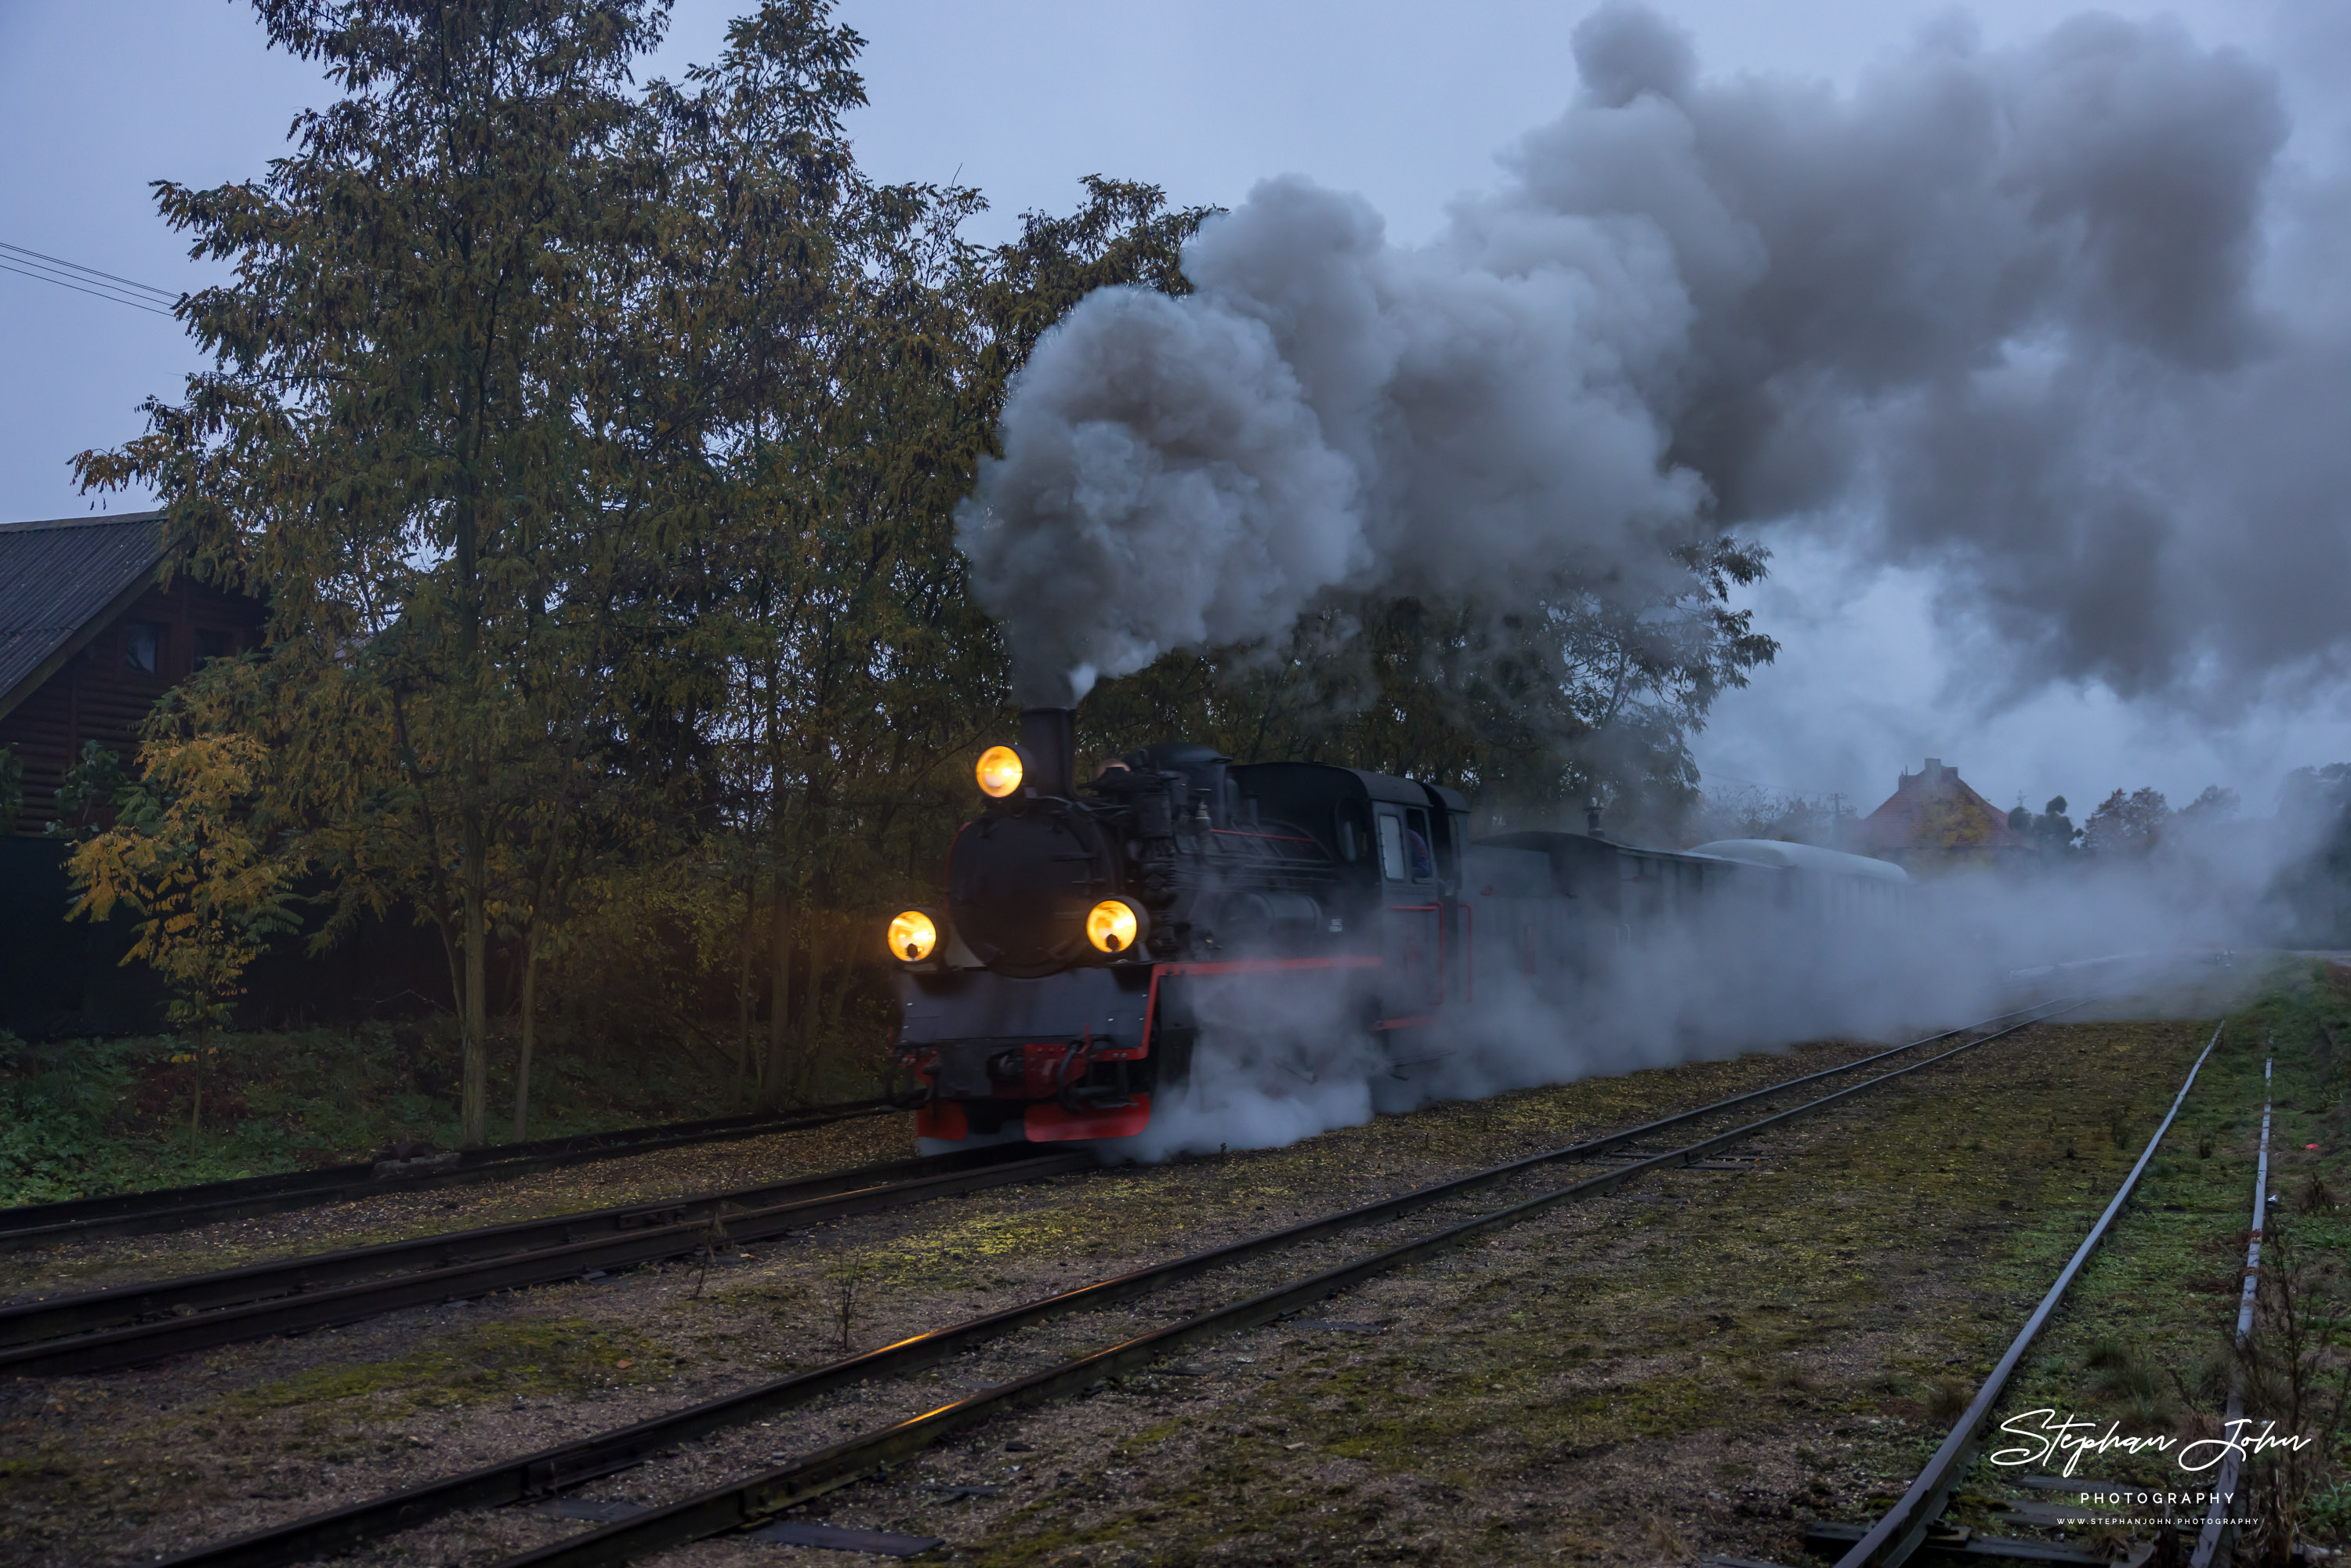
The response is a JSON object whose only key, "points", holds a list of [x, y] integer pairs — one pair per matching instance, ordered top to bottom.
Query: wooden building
{"points": [[89, 638]]}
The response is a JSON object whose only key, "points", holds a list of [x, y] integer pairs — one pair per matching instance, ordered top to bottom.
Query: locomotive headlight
{"points": [[1000, 771], [1115, 924], [913, 937]]}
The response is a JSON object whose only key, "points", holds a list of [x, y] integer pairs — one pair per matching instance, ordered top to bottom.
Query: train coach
{"points": [[1090, 931]]}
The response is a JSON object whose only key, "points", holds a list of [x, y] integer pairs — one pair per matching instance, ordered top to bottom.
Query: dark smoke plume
{"points": [[2012, 313]]}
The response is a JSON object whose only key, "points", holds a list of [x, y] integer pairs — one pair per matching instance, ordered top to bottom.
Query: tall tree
{"points": [[396, 441], [2127, 825]]}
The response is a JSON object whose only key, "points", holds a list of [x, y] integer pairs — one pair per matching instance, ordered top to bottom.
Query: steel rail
{"points": [[176, 1209], [544, 1265], [89, 1311], [95, 1331], [568, 1464], [752, 1500], [2217, 1526], [1904, 1527]]}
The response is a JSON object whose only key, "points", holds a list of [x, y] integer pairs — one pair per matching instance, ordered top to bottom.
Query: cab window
{"points": [[1391, 846], [1417, 854]]}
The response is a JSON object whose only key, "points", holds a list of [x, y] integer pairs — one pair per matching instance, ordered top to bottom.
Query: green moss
{"points": [[491, 1360]]}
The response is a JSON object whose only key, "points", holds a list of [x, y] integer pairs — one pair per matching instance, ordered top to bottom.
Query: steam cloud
{"points": [[2024, 315], [1276, 1065]]}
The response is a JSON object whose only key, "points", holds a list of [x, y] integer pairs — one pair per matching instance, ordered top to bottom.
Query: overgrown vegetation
{"points": [[83, 1117], [2146, 1340]]}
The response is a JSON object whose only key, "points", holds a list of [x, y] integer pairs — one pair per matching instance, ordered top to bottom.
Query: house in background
{"points": [[89, 639], [1934, 822]]}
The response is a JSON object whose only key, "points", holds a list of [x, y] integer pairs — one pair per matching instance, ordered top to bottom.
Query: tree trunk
{"points": [[742, 985], [836, 1008], [780, 1014], [529, 1030], [804, 1070], [196, 1100], [475, 1107]]}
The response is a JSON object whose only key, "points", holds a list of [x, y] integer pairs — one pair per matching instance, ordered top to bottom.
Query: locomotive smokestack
{"points": [[1050, 737]]}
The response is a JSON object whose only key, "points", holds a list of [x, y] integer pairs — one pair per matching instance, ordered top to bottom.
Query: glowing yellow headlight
{"points": [[999, 772], [1110, 926], [914, 936]]}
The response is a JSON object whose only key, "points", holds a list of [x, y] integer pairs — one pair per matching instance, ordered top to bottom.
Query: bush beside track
{"points": [[84, 1118]]}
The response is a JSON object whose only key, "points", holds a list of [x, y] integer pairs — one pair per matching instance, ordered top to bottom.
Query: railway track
{"points": [[177, 1209], [128, 1324], [754, 1499], [1914, 1523]]}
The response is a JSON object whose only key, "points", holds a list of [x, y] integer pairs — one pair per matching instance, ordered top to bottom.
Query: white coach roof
{"points": [[1801, 857]]}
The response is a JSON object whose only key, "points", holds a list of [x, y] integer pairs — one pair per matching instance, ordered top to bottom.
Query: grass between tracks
{"points": [[2144, 1346], [1698, 1366]]}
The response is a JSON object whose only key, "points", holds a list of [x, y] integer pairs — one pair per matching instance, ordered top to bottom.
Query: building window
{"points": [[212, 644], [142, 647]]}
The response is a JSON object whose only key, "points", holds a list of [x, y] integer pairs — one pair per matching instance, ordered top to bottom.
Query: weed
{"points": [[713, 1236], [846, 1310], [2107, 1351], [2289, 1374], [1947, 1399], [2328, 1513]]}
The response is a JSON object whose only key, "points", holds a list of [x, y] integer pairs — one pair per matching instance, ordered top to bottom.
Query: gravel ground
{"points": [[635, 1179], [1693, 1365]]}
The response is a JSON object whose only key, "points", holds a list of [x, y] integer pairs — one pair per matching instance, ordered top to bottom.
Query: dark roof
{"points": [[60, 582]]}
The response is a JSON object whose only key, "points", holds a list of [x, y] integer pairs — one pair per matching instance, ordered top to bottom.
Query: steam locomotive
{"points": [[1091, 932]]}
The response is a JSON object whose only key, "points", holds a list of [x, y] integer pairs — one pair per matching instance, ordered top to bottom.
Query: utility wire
{"points": [[77, 266], [87, 280], [77, 288]]}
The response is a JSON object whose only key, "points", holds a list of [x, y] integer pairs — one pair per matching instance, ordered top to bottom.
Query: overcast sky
{"points": [[1407, 104]]}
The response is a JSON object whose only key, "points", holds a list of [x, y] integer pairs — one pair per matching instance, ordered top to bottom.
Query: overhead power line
{"points": [[88, 280]]}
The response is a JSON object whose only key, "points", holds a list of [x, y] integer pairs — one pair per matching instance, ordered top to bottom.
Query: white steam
{"points": [[2005, 312], [1277, 1064]]}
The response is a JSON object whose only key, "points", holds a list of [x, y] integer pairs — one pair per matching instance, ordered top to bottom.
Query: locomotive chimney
{"points": [[1050, 737]]}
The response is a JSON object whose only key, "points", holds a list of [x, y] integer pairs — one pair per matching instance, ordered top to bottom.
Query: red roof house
{"points": [[1933, 822]]}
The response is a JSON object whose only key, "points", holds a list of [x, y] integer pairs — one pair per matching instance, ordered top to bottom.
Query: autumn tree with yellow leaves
{"points": [[187, 855]]}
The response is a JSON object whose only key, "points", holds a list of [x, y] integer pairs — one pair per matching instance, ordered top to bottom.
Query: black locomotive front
{"points": [[1062, 984]]}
